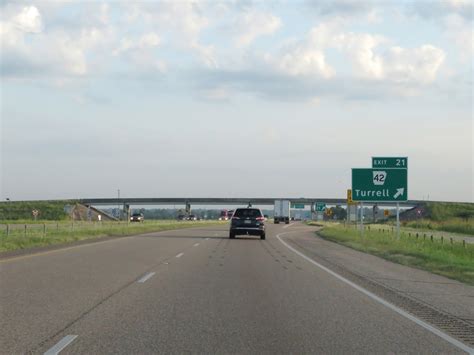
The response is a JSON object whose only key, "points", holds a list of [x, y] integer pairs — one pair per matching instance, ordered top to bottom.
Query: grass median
{"points": [[25, 236], [448, 258]]}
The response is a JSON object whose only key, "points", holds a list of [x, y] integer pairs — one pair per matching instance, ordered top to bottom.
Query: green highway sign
{"points": [[387, 162], [379, 184], [297, 205], [320, 207]]}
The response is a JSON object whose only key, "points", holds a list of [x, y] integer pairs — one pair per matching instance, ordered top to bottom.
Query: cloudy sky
{"points": [[233, 98]]}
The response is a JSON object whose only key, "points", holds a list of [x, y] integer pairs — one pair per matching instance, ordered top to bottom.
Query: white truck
{"points": [[282, 211]]}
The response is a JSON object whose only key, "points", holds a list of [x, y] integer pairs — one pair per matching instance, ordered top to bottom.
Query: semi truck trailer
{"points": [[282, 211]]}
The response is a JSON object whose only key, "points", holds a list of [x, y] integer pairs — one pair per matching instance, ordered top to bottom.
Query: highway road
{"points": [[196, 291]]}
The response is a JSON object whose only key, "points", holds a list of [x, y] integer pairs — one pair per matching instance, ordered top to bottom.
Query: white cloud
{"points": [[455, 17], [28, 20], [182, 20], [253, 24], [146, 41], [360, 48], [28, 50], [140, 52], [369, 54], [307, 57], [372, 60], [305, 61], [417, 65]]}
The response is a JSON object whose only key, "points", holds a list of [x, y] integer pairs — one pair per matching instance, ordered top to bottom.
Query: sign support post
{"points": [[347, 214], [361, 218], [398, 220]]}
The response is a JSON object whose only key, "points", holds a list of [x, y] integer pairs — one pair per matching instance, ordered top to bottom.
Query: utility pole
{"points": [[118, 206]]}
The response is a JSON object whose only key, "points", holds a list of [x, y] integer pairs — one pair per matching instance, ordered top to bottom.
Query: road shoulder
{"points": [[415, 290]]}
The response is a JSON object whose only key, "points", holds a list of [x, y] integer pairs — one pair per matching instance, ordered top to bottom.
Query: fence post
{"points": [[25, 229], [44, 229], [8, 230], [431, 237], [442, 239], [451, 240]]}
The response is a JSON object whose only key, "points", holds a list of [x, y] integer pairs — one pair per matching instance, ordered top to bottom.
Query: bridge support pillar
{"points": [[126, 212]]}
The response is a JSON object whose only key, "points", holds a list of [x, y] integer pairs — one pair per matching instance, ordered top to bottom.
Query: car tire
{"points": [[231, 235], [263, 236]]}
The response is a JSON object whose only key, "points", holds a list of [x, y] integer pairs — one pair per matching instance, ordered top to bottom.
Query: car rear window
{"points": [[248, 212]]}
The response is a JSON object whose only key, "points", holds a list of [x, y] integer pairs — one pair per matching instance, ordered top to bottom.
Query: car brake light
{"points": [[260, 218]]}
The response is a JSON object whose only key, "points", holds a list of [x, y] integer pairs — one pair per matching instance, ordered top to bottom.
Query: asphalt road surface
{"points": [[196, 291]]}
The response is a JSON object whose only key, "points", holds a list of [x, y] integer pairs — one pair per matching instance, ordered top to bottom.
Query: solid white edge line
{"points": [[179, 255], [146, 277], [425, 325], [60, 345]]}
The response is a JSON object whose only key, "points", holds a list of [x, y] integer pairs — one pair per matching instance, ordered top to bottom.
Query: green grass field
{"points": [[448, 217], [454, 225], [23, 236], [453, 260]]}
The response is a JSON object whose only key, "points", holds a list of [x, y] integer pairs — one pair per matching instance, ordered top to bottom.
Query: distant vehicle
{"points": [[282, 211], [224, 215], [137, 217], [192, 217], [249, 221]]}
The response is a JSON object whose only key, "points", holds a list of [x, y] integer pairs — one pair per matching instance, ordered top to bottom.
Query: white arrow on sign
{"points": [[399, 192]]}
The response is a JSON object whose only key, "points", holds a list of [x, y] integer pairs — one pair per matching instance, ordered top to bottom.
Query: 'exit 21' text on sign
{"points": [[390, 162]]}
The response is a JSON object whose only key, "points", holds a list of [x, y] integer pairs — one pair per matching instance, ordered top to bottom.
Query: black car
{"points": [[137, 217], [248, 221]]}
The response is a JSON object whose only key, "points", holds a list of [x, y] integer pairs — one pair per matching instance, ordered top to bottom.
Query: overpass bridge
{"points": [[211, 201], [227, 201]]}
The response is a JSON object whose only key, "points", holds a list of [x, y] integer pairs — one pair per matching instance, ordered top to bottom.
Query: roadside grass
{"points": [[454, 225], [23, 236], [454, 260]]}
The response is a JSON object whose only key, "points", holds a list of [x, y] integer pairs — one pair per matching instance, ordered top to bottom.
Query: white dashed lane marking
{"points": [[179, 255], [146, 277], [68, 339]]}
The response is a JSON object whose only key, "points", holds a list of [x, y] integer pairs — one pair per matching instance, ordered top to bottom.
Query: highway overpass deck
{"points": [[227, 201]]}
